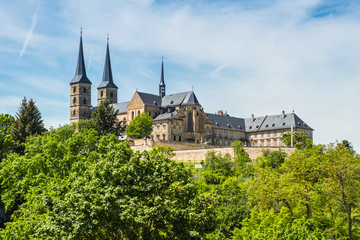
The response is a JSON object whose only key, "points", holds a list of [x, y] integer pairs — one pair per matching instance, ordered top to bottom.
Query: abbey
{"points": [[179, 117]]}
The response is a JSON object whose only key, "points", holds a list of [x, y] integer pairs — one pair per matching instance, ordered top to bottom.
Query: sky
{"points": [[244, 57]]}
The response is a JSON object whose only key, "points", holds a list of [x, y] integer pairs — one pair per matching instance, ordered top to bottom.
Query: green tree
{"points": [[104, 121], [28, 122], [140, 126], [300, 140], [7, 143], [272, 159], [217, 167], [79, 185], [277, 226]]}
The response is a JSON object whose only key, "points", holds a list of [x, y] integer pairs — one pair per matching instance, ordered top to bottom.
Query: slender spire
{"points": [[80, 73], [107, 79], [162, 82]]}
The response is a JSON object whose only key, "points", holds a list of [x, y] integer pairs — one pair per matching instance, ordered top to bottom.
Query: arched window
{"points": [[74, 89], [84, 89], [101, 93], [74, 100], [74, 112], [138, 112], [132, 115], [174, 138], [179, 138]]}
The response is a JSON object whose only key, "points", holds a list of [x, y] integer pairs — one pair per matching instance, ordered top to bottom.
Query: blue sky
{"points": [[243, 57]]}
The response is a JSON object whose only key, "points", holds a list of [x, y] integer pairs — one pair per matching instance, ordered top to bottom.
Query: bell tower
{"points": [[107, 88], [80, 90]]}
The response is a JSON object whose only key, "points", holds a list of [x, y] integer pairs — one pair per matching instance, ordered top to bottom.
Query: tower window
{"points": [[74, 89], [84, 89], [101, 93], [111, 94], [74, 100], [84, 100], [74, 112]]}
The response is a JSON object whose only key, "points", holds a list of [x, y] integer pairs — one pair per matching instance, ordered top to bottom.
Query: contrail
{"points": [[30, 32]]}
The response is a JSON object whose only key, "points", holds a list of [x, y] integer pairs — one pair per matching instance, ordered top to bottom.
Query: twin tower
{"points": [[80, 87]]}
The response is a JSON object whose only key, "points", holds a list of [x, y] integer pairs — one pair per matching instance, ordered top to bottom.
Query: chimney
{"points": [[220, 112], [283, 114], [252, 117]]}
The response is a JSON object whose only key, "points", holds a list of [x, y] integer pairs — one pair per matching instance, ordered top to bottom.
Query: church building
{"points": [[179, 117]]}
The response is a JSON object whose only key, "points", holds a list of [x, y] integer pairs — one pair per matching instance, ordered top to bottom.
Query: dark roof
{"points": [[80, 73], [107, 79], [162, 82], [150, 99], [179, 99], [121, 107], [164, 116], [227, 122], [273, 122]]}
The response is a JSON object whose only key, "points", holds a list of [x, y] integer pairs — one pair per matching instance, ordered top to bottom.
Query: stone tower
{"points": [[162, 82], [107, 89], [80, 90]]}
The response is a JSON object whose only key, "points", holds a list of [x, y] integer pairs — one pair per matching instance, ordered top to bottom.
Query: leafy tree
{"points": [[103, 119], [28, 122], [140, 126], [300, 140], [7, 143], [273, 159], [217, 167], [79, 185], [272, 226]]}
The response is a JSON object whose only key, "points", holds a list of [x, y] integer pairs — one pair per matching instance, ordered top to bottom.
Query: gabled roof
{"points": [[80, 73], [107, 79], [150, 99], [179, 99], [121, 107], [227, 122], [274, 122]]}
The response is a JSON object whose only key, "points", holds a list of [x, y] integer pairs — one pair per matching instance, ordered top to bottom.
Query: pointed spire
{"points": [[80, 73], [107, 80], [162, 82]]}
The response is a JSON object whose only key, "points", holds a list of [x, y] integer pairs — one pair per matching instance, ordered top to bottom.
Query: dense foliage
{"points": [[140, 126], [74, 183]]}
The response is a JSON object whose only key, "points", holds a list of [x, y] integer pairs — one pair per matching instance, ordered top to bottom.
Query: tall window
{"points": [[74, 89], [84, 89], [101, 93], [111, 94], [74, 100], [84, 100], [74, 112], [138, 112], [132, 115], [190, 122], [174, 138], [179, 138]]}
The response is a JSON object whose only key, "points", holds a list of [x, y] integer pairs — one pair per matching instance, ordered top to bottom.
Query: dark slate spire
{"points": [[80, 74], [107, 80], [162, 82]]}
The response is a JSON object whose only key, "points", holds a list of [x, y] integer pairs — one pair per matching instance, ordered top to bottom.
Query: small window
{"points": [[74, 89], [84, 89], [101, 93], [111, 94], [74, 100], [84, 100], [74, 112], [138, 112], [150, 113], [132, 115], [273, 124], [283, 124], [267, 125], [257, 126], [250, 127], [163, 137], [174, 138], [179, 138]]}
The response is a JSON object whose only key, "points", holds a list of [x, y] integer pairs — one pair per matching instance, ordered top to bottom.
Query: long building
{"points": [[179, 117]]}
